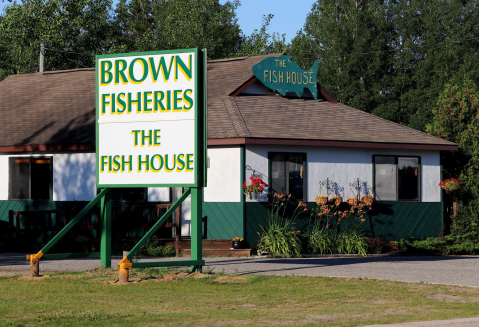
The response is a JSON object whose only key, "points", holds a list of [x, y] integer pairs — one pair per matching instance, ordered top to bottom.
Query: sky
{"points": [[289, 16]]}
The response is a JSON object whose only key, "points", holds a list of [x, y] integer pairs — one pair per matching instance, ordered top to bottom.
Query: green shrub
{"points": [[430, 245], [153, 249]]}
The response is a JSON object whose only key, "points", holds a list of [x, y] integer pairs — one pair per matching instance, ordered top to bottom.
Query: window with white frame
{"points": [[397, 178]]}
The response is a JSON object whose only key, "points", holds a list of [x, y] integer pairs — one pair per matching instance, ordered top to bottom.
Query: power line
{"points": [[390, 50], [78, 53]]}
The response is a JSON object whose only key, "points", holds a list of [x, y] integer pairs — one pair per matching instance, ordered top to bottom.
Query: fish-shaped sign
{"points": [[283, 75]]}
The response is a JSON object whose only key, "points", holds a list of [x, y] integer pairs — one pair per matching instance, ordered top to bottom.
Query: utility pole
{"points": [[42, 57]]}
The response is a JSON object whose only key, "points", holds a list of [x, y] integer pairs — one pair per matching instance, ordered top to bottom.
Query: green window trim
{"points": [[397, 157]]}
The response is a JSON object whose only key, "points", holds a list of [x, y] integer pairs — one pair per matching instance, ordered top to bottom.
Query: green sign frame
{"points": [[200, 118]]}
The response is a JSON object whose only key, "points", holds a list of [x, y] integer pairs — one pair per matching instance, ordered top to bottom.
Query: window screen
{"points": [[278, 173], [288, 174], [30, 178], [386, 178]]}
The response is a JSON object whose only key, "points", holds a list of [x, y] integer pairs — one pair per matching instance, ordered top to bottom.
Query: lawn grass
{"points": [[159, 297]]}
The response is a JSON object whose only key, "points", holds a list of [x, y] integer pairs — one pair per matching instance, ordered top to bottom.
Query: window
{"points": [[288, 174], [31, 178], [397, 178], [129, 194]]}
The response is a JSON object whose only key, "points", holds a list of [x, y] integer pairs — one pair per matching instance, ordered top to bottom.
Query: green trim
{"points": [[132, 54], [200, 131], [242, 179], [442, 195], [390, 221], [158, 224], [196, 226], [105, 243], [71, 256], [168, 263]]}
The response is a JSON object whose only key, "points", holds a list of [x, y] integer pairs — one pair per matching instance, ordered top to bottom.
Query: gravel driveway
{"points": [[461, 270]]}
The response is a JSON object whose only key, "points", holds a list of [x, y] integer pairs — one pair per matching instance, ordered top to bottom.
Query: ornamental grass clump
{"points": [[280, 236]]}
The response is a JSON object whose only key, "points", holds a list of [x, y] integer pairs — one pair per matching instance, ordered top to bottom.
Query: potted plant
{"points": [[450, 185], [254, 189], [367, 199], [321, 200], [336, 200], [238, 243]]}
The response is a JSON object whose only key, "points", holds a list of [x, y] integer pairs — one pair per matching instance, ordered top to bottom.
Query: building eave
{"points": [[327, 143]]}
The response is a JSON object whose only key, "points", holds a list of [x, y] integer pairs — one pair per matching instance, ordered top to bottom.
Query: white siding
{"points": [[345, 165], [224, 175], [73, 177]]}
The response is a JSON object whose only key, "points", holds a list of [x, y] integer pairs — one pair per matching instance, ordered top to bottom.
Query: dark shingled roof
{"points": [[30, 112]]}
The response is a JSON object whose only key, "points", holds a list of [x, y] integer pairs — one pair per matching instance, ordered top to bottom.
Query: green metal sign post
{"points": [[150, 132]]}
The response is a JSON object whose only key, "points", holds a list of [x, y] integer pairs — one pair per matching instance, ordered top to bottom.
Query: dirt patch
{"points": [[41, 277], [451, 298], [248, 305]]}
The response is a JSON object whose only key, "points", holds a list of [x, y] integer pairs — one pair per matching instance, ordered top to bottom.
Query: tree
{"points": [[143, 25], [66, 27], [260, 42], [400, 75], [457, 120]]}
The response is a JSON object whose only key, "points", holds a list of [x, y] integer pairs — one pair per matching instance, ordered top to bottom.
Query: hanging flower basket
{"points": [[450, 185], [254, 189], [254, 195], [367, 199], [321, 200], [336, 200], [353, 201]]}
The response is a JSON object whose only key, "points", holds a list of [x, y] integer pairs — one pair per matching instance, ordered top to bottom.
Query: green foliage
{"points": [[144, 25], [77, 26], [260, 42], [400, 86], [457, 120], [336, 232], [280, 235], [451, 244], [430, 245], [153, 249]]}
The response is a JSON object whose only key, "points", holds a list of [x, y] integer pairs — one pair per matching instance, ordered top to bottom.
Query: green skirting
{"points": [[390, 221]]}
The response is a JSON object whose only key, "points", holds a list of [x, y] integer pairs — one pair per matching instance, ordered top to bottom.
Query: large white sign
{"points": [[147, 119]]}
